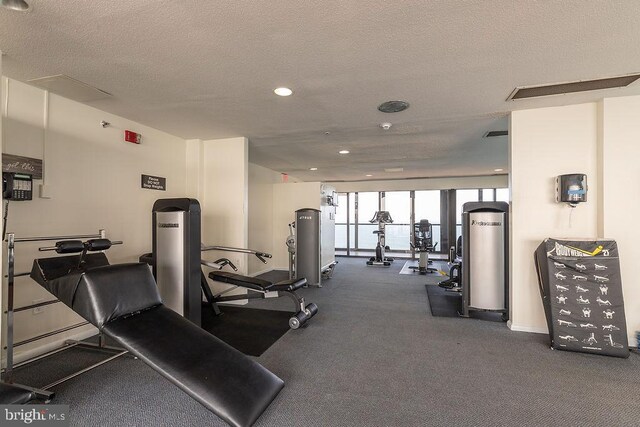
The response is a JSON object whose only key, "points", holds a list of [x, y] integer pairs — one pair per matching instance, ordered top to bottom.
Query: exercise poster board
{"points": [[582, 295]]}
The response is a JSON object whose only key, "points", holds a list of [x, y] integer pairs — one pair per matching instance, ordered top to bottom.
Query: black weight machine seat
{"points": [[454, 282], [257, 284], [262, 289], [123, 302]]}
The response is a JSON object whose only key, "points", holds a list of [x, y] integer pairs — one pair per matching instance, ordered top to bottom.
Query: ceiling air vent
{"points": [[572, 87], [70, 88], [393, 106], [494, 133], [394, 169]]}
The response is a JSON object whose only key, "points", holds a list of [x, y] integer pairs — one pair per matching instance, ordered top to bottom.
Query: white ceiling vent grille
{"points": [[70, 88], [523, 92], [394, 170]]}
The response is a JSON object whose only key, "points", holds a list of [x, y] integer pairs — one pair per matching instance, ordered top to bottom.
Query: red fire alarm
{"points": [[131, 136]]}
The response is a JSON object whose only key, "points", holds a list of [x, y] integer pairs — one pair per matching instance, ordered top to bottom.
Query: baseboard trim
{"points": [[531, 329]]}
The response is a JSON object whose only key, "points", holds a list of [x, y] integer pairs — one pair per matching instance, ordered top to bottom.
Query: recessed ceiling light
{"points": [[282, 91], [343, 152], [313, 169], [498, 170], [368, 174]]}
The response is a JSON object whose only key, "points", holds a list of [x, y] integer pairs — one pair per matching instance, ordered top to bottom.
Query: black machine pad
{"points": [[61, 275], [240, 280], [256, 284], [288, 285], [582, 295], [123, 302], [221, 378], [14, 395]]}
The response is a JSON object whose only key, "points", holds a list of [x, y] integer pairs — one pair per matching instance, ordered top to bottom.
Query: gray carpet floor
{"points": [[374, 356]]}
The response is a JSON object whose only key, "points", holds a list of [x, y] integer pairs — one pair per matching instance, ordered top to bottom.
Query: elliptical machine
{"points": [[382, 218], [423, 243]]}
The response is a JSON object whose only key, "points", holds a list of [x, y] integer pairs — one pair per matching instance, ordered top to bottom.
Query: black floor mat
{"points": [[444, 303], [449, 304], [249, 330]]}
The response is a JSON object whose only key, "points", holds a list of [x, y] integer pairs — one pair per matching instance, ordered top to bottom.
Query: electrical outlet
{"points": [[38, 310]]}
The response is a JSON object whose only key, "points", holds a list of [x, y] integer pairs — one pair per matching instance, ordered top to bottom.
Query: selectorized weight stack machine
{"points": [[176, 250], [176, 261], [485, 273]]}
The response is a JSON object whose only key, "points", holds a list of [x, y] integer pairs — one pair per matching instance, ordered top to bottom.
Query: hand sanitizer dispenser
{"points": [[571, 189]]}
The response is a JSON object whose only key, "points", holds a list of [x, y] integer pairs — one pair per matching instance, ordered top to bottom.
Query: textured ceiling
{"points": [[206, 69]]}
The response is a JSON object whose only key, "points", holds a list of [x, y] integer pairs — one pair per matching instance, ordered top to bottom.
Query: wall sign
{"points": [[19, 164], [154, 182]]}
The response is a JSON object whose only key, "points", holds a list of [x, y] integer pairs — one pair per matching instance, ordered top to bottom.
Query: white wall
{"points": [[601, 140], [545, 143], [93, 177], [220, 179], [261, 181], [493, 181], [621, 194], [287, 198]]}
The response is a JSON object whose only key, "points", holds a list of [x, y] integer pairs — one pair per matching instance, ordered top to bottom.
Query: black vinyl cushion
{"points": [[60, 275], [240, 280], [257, 284], [288, 285], [107, 293], [123, 301], [225, 381], [13, 395]]}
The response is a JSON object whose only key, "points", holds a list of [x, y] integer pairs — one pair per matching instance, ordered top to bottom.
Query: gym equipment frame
{"points": [[261, 289], [7, 373]]}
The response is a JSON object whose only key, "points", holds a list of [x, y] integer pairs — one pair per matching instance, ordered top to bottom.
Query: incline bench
{"points": [[262, 289], [123, 302]]}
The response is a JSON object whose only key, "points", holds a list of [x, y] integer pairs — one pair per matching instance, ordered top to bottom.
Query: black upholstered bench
{"points": [[264, 289], [123, 302]]}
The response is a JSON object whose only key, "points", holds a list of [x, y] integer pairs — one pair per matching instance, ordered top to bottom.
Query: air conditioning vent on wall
{"points": [[70, 88], [523, 92], [494, 133]]}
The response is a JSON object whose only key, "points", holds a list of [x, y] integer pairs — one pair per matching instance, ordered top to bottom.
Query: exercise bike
{"points": [[382, 218], [423, 243]]}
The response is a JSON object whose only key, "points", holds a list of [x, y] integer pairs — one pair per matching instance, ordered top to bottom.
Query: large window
{"points": [[462, 197], [427, 206], [367, 207], [355, 210], [345, 220], [341, 221], [398, 234]]}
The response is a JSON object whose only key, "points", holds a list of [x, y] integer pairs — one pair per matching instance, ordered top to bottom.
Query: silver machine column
{"points": [[176, 253], [307, 262], [485, 274]]}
